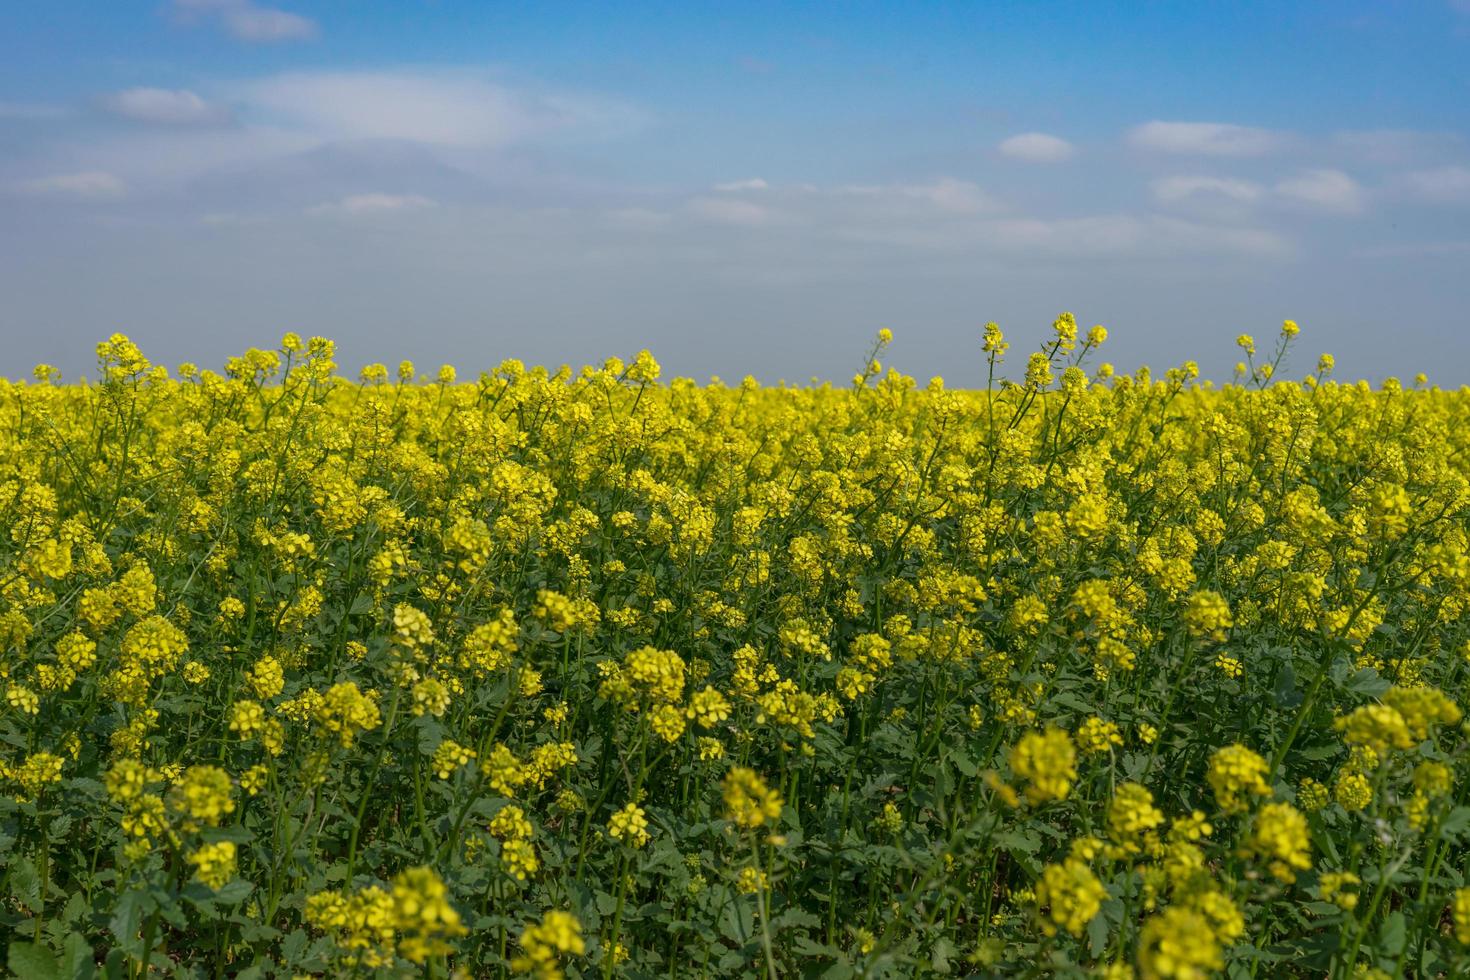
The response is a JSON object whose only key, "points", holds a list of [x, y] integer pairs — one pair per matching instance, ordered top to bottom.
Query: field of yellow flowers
{"points": [[593, 675]]}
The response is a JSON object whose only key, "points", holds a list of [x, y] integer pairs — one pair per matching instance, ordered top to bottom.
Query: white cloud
{"points": [[248, 21], [165, 107], [461, 109], [298, 139], [1204, 139], [1037, 148], [89, 185], [1441, 185], [735, 186], [1172, 190], [1323, 190], [1329, 191], [945, 193], [949, 194], [369, 204], [725, 211], [951, 218], [1126, 234], [1113, 236], [1192, 236]]}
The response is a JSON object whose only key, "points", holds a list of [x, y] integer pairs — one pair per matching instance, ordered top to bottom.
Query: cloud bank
{"points": [[247, 21], [164, 107], [1205, 139], [1037, 148]]}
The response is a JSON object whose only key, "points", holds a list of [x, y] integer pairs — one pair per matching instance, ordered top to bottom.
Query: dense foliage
{"points": [[587, 674]]}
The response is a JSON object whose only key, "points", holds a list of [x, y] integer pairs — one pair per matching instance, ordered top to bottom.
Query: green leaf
{"points": [[1367, 682], [1286, 693], [1069, 700], [431, 733], [1316, 753], [944, 781], [1457, 822], [236, 833], [1027, 841], [25, 884], [234, 891], [201, 896], [606, 904], [75, 909], [127, 918], [793, 918], [738, 922], [255, 932], [1391, 934], [1097, 936], [293, 946], [803, 946], [1242, 951], [940, 955], [76, 958], [32, 961], [731, 963], [841, 970]]}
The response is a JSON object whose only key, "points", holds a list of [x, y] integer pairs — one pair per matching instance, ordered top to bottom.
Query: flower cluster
{"points": [[590, 671]]}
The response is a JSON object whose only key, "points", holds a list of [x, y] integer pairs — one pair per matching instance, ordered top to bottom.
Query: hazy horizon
{"points": [[752, 193]]}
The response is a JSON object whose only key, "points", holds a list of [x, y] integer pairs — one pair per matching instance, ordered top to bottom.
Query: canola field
{"points": [[593, 674]]}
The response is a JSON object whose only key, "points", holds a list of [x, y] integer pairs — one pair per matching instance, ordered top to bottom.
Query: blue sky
{"points": [[744, 190]]}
